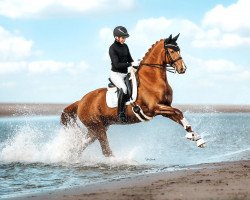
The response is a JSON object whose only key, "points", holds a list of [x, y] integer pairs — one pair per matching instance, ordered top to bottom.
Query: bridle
{"points": [[170, 67]]}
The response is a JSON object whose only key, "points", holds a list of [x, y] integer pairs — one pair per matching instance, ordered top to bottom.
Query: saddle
{"points": [[128, 83], [132, 87], [113, 91]]}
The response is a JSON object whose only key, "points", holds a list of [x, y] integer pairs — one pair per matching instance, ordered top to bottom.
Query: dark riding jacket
{"points": [[120, 57]]}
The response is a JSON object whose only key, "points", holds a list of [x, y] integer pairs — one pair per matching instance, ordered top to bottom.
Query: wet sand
{"points": [[20, 109], [225, 180]]}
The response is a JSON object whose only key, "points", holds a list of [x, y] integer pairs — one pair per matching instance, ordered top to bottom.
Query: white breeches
{"points": [[118, 79]]}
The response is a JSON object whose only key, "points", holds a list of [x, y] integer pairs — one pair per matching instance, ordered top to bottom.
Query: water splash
{"points": [[64, 146]]}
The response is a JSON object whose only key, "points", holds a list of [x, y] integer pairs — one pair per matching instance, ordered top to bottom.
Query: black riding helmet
{"points": [[120, 31]]}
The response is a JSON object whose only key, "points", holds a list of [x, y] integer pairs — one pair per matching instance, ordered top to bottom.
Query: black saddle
{"points": [[128, 84]]}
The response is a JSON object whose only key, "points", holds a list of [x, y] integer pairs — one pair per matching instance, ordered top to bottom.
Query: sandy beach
{"points": [[225, 180]]}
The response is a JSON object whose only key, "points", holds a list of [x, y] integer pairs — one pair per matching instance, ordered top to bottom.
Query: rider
{"points": [[120, 61]]}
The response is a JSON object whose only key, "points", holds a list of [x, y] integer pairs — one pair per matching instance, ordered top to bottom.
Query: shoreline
{"points": [[27, 109], [223, 180]]}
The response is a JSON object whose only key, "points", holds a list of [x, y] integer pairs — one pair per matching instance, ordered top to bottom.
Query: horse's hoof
{"points": [[201, 143]]}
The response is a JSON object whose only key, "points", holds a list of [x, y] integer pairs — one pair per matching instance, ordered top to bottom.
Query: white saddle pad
{"points": [[111, 94]]}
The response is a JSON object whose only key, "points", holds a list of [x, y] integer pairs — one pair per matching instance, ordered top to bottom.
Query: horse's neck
{"points": [[154, 56], [153, 74]]}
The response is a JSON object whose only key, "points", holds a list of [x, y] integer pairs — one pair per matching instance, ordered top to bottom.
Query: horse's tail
{"points": [[69, 114]]}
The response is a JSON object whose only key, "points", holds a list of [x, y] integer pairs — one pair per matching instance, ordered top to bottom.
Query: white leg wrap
{"points": [[185, 123], [193, 136], [200, 143]]}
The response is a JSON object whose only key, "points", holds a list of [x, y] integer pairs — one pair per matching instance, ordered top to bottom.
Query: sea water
{"points": [[38, 155]]}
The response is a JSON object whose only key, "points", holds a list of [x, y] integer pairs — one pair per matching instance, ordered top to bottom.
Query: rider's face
{"points": [[121, 39]]}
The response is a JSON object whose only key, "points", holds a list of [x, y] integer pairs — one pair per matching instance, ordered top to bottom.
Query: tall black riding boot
{"points": [[121, 106]]}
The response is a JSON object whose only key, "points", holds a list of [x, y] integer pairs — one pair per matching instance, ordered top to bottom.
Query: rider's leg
{"points": [[118, 80], [121, 106]]}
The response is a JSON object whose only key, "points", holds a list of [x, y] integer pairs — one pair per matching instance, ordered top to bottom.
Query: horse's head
{"points": [[173, 58]]}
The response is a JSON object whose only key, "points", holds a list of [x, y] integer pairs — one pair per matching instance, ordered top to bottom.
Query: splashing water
{"points": [[31, 145], [36, 153]]}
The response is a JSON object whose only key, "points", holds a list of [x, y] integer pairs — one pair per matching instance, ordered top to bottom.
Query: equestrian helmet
{"points": [[120, 31]]}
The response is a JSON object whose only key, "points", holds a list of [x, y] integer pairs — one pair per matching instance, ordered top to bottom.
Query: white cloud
{"points": [[54, 8], [232, 18], [225, 27], [150, 30], [147, 31], [105, 33], [106, 39], [215, 39], [13, 47], [15, 50], [47, 66], [212, 66], [219, 66], [12, 67], [218, 70], [243, 75], [9, 84]]}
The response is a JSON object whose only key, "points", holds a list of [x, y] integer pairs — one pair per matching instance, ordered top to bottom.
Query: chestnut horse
{"points": [[154, 98]]}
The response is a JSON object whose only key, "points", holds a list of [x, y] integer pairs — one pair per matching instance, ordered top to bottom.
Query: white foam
{"points": [[30, 145]]}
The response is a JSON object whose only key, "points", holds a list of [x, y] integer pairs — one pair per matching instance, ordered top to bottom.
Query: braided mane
{"points": [[149, 50]]}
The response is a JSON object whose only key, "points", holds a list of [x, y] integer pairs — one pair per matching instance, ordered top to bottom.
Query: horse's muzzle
{"points": [[182, 70]]}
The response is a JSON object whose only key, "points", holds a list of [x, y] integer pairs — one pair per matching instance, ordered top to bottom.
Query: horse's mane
{"points": [[153, 45]]}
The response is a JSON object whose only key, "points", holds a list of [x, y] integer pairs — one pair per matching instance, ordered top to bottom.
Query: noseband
{"points": [[170, 67]]}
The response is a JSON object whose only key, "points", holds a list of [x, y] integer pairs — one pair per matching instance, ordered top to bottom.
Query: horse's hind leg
{"points": [[177, 116], [99, 132], [102, 137]]}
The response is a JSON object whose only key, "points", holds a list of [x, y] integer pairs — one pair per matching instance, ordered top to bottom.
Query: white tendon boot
{"points": [[192, 135], [196, 137], [201, 143]]}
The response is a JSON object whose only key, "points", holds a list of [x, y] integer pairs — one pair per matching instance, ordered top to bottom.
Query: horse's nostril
{"points": [[182, 70]]}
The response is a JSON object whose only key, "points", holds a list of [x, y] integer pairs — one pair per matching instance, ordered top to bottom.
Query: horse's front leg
{"points": [[177, 116], [191, 135]]}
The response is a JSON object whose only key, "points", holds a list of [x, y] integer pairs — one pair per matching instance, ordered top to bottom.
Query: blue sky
{"points": [[57, 51]]}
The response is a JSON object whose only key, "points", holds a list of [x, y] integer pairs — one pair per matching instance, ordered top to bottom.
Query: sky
{"points": [[57, 51]]}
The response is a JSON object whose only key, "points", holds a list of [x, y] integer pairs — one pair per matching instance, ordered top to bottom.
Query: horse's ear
{"points": [[175, 38], [169, 39]]}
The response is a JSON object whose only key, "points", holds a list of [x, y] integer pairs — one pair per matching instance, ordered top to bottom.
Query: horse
{"points": [[154, 97]]}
